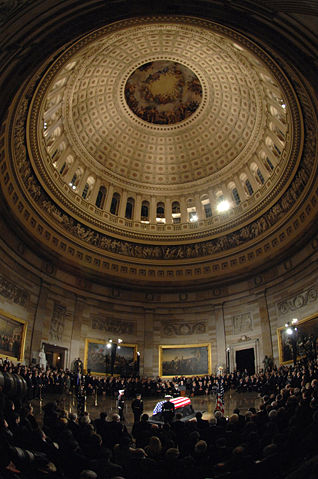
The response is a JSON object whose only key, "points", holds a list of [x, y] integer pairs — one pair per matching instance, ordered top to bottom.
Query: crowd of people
{"points": [[63, 381], [277, 441]]}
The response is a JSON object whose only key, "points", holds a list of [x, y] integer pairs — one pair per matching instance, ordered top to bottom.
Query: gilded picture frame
{"points": [[12, 337], [307, 340], [97, 358], [185, 360]]}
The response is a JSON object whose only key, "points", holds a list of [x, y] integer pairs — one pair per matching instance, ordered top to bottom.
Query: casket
{"points": [[182, 406]]}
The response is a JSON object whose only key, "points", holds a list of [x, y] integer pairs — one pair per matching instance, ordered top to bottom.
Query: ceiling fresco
{"points": [[163, 92]]}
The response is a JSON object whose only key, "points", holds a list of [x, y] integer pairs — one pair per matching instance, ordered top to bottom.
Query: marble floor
{"points": [[232, 400]]}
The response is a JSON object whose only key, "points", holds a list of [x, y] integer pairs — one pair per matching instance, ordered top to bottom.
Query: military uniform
{"points": [[137, 406], [168, 411]]}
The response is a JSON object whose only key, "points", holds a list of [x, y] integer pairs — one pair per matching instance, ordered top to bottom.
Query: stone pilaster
{"points": [[41, 322], [265, 324], [220, 336], [76, 343], [147, 361]]}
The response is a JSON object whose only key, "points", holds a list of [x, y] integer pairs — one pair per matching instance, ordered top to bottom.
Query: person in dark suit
{"points": [[78, 366], [137, 406], [168, 410]]}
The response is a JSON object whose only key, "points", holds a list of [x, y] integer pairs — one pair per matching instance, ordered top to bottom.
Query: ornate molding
{"points": [[9, 290], [298, 301], [242, 323], [57, 324], [112, 325], [184, 328]]}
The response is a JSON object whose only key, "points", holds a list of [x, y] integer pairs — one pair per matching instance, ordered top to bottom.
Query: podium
{"points": [[182, 390]]}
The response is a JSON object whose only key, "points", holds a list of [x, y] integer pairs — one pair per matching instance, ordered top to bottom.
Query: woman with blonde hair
{"points": [[154, 448]]}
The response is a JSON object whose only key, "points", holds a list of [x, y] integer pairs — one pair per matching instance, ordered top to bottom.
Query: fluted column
{"points": [[71, 171], [93, 196], [109, 197], [122, 204], [198, 206], [137, 209], [183, 210], [168, 211], [152, 213]]}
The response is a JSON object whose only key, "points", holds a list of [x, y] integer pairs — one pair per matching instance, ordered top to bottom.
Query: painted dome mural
{"points": [[163, 92]]}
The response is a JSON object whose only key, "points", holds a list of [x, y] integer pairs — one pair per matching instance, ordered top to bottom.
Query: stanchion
{"points": [[73, 397], [41, 399], [96, 402], [85, 403], [70, 405]]}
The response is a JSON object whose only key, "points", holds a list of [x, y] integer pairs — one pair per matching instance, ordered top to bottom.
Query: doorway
{"points": [[55, 356], [245, 360]]}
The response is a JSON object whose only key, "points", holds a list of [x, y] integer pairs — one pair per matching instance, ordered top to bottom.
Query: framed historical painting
{"points": [[12, 336], [304, 340], [98, 358], [185, 360]]}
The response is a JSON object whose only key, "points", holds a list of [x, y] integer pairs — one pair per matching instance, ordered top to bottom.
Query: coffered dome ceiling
{"points": [[135, 134]]}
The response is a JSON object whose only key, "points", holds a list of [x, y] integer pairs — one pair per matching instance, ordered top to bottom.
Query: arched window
{"points": [[278, 132], [272, 146], [266, 161], [268, 164], [66, 166], [62, 168], [257, 173], [259, 176], [76, 178], [246, 184], [88, 187], [249, 187], [85, 191], [234, 191], [236, 196], [100, 199], [114, 206], [206, 206], [175, 207], [129, 208], [207, 210], [145, 211], [192, 211], [160, 212], [176, 212]]}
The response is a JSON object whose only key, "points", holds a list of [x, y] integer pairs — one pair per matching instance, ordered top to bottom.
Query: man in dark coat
{"points": [[137, 406], [168, 410]]}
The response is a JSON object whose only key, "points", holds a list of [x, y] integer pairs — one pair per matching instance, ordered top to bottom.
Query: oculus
{"points": [[163, 92]]}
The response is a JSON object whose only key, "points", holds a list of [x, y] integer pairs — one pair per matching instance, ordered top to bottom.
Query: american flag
{"points": [[220, 398], [178, 402]]}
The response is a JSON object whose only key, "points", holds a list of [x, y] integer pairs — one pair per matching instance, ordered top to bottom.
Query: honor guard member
{"points": [[81, 398], [121, 404], [137, 406], [168, 410]]}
